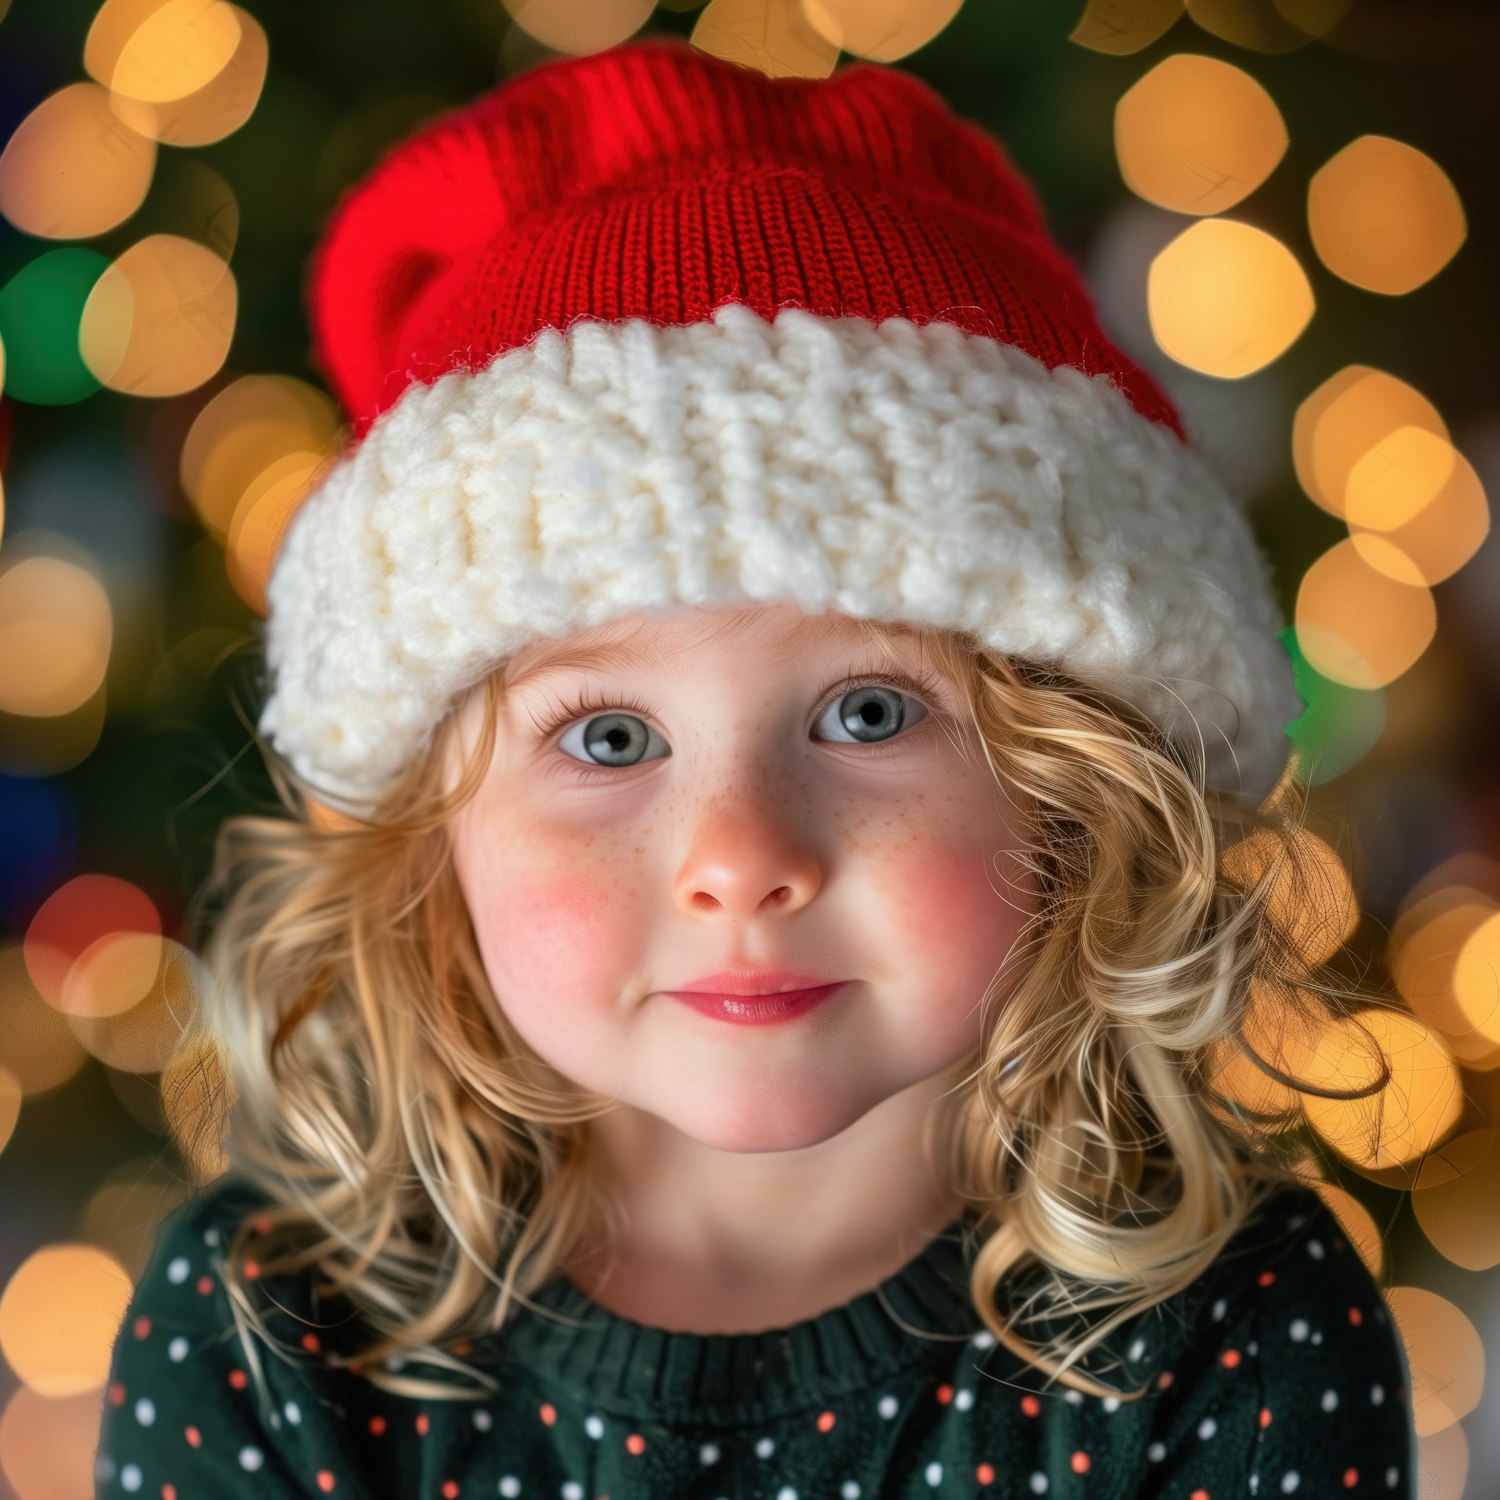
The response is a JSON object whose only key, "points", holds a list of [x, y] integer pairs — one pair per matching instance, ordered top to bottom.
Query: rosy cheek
{"points": [[946, 905], [562, 930]]}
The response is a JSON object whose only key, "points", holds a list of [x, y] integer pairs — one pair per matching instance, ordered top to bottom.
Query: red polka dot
{"points": [[261, 1226], [1338, 1242], [252, 1270], [1266, 1278], [205, 1285], [1356, 1316], [141, 1326], [311, 1343], [463, 1346], [1229, 1358], [355, 1368], [238, 1379], [1163, 1380], [116, 1393], [945, 1394], [1030, 1405], [548, 1413], [1265, 1416], [826, 1420], [423, 1423], [377, 1425], [194, 1437], [635, 1443], [1079, 1462], [985, 1474], [1351, 1478], [325, 1480], [450, 1489], [169, 1492], [1199, 1494]]}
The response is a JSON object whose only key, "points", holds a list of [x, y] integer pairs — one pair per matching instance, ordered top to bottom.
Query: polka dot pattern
{"points": [[1278, 1373]]}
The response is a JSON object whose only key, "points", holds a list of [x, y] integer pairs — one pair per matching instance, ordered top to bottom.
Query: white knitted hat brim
{"points": [[890, 471]]}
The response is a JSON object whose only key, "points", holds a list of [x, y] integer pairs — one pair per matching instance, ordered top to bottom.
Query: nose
{"points": [[745, 862]]}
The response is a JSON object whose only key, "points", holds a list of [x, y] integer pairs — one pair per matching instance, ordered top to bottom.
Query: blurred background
{"points": [[1285, 209]]}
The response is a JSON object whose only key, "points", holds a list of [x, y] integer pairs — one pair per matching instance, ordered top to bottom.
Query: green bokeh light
{"points": [[40, 311], [1340, 725]]}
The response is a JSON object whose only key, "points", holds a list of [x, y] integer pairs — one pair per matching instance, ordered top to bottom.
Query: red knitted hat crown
{"points": [[646, 329]]}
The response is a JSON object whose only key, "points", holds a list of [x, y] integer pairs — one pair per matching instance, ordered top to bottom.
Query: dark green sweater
{"points": [[1278, 1372]]}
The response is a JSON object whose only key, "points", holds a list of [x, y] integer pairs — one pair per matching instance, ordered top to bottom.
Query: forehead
{"points": [[775, 632]]}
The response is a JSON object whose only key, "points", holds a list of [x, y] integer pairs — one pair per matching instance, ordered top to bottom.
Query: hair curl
{"points": [[351, 1060]]}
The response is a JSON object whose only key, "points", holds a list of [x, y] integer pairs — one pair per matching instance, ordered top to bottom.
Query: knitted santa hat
{"points": [[646, 329]]}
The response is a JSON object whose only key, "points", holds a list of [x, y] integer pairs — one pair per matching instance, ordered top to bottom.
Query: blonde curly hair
{"points": [[351, 1060]]}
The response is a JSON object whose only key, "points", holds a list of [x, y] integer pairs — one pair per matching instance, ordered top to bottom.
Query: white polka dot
{"points": [[1296, 1221], [210, 1236], [1315, 1249], [177, 1270], [1218, 1310], [1298, 1330], [1317, 1338], [984, 1339], [1252, 1348], [1137, 1349], [177, 1350], [395, 1362], [1377, 1394], [1072, 1397], [964, 1399], [1330, 1400], [1111, 1403], [886, 1407], [145, 1411], [293, 1412], [484, 1420], [276, 1421], [593, 1426], [1207, 1427], [765, 1448], [1156, 1452], [708, 1454], [251, 1458], [104, 1468], [934, 1474], [1391, 1476], [130, 1477], [1289, 1481], [1038, 1484], [1255, 1484], [510, 1485], [849, 1489], [572, 1490], [786, 1492]]}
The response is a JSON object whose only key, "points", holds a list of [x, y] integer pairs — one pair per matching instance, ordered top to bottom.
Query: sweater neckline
{"points": [[616, 1362]]}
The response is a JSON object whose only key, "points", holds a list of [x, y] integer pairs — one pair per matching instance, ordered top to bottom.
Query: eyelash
{"points": [[587, 704]]}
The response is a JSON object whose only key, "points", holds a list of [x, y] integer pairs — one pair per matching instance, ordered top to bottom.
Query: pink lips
{"points": [[758, 1010]]}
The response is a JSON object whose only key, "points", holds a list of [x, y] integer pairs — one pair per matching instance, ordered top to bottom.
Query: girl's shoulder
{"points": [[196, 1399]]}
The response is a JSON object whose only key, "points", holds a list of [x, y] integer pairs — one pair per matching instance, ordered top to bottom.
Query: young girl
{"points": [[751, 1024]]}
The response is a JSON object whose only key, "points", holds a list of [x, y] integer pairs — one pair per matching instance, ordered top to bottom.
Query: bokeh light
{"points": [[578, 27], [1122, 29], [883, 31], [772, 36], [160, 50], [217, 109], [1196, 134], [73, 168], [1384, 215], [1227, 298], [41, 307], [159, 321], [1360, 624], [56, 628], [37, 1046], [58, 1317], [1445, 1355]]}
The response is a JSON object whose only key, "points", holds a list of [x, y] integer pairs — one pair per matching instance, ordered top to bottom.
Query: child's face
{"points": [[747, 823]]}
